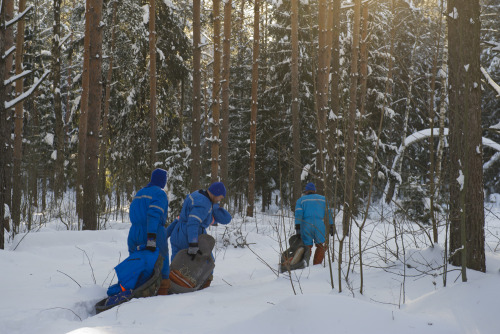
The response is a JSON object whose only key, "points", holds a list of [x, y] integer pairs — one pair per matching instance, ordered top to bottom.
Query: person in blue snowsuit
{"points": [[199, 210], [310, 211], [148, 214]]}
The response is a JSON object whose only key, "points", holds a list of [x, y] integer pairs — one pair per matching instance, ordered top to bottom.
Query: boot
{"points": [[319, 254], [164, 287]]}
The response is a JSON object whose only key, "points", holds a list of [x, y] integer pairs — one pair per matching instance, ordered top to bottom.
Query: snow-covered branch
{"points": [[18, 17], [65, 39], [9, 51], [15, 77], [490, 81], [26, 94]]}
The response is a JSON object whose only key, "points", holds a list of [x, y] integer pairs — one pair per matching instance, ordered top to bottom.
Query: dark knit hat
{"points": [[158, 178], [310, 187], [217, 189]]}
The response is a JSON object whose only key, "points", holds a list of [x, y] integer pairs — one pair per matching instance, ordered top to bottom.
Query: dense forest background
{"points": [[401, 87]]}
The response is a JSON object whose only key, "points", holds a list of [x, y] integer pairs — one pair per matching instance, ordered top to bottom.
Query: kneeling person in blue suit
{"points": [[199, 210], [148, 214]]}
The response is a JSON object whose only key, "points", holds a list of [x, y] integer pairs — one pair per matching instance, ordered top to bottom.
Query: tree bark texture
{"points": [[226, 63], [152, 79], [56, 92], [216, 93], [321, 93], [253, 111], [105, 116], [196, 122], [82, 123], [18, 125], [4, 129], [465, 134], [350, 159], [297, 161], [90, 191]]}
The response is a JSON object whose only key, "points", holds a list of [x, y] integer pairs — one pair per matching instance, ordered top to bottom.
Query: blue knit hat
{"points": [[158, 178], [310, 187], [217, 189]]}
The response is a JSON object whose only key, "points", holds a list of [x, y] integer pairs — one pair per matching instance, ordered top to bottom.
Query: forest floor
{"points": [[52, 278]]}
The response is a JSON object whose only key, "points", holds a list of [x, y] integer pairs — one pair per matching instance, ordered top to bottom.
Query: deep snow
{"points": [[51, 281]]}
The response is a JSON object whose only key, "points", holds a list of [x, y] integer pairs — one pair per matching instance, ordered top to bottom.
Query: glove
{"points": [[297, 229], [332, 230], [151, 243], [194, 250]]}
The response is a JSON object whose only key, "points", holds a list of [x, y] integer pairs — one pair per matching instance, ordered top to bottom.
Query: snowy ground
{"points": [[52, 279]]}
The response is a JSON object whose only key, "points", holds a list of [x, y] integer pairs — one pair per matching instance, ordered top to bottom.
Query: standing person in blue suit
{"points": [[199, 210], [310, 211], [148, 214]]}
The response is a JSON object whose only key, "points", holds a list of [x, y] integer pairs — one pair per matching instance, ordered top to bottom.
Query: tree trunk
{"points": [[93, 19], [9, 42], [226, 60], [363, 68], [152, 79], [56, 92], [216, 92], [321, 92], [253, 112], [432, 113], [105, 117], [333, 122], [82, 124], [18, 125], [196, 125], [4, 127], [465, 135], [297, 163], [350, 168]]}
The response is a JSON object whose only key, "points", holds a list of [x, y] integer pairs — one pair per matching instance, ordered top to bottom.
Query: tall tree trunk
{"points": [[9, 59], [226, 60], [363, 67], [152, 79], [56, 92], [216, 92], [321, 92], [253, 112], [432, 114], [105, 117], [333, 122], [82, 124], [18, 125], [196, 125], [4, 127], [465, 134], [297, 161], [350, 168], [90, 193]]}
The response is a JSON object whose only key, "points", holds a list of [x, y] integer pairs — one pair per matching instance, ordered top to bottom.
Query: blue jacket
{"points": [[148, 214], [309, 214], [196, 215]]}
